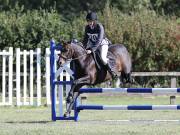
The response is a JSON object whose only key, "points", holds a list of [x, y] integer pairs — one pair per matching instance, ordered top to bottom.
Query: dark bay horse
{"points": [[86, 71]]}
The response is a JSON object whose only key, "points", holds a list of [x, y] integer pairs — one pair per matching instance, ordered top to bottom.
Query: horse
{"points": [[86, 70]]}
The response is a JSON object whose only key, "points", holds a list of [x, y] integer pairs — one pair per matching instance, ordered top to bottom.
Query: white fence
{"points": [[7, 55], [22, 78]]}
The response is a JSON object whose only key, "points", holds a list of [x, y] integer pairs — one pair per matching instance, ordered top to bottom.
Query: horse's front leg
{"points": [[81, 81], [74, 92], [71, 104]]}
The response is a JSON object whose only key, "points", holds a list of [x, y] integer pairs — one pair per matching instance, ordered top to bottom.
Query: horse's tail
{"points": [[126, 58], [126, 65]]}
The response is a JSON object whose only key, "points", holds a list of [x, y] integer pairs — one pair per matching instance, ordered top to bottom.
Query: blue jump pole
{"points": [[53, 47], [53, 97]]}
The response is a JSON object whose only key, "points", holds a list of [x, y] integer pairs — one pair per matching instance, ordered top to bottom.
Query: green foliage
{"points": [[128, 6], [169, 7], [72, 8], [31, 29], [152, 40]]}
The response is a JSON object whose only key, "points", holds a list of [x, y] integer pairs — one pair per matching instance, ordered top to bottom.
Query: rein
{"points": [[78, 57], [70, 59]]}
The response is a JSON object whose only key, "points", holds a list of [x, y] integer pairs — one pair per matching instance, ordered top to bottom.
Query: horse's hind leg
{"points": [[126, 72], [125, 78], [128, 78]]}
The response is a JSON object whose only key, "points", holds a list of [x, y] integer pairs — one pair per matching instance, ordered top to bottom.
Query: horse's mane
{"points": [[81, 44], [78, 45]]}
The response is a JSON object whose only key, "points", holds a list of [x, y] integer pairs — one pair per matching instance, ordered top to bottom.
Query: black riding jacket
{"points": [[93, 37]]}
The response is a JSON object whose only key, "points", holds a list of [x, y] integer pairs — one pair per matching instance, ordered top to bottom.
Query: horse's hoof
{"points": [[69, 100], [66, 115]]}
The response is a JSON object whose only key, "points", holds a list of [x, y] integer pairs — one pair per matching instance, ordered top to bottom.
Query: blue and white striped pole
{"points": [[131, 90], [128, 107]]}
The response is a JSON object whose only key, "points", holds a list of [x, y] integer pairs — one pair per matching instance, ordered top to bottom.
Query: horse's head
{"points": [[71, 51], [66, 53]]}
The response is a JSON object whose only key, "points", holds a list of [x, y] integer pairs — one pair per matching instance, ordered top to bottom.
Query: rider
{"points": [[95, 40]]}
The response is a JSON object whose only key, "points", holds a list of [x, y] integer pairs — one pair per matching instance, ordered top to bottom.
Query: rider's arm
{"points": [[100, 37], [85, 39]]}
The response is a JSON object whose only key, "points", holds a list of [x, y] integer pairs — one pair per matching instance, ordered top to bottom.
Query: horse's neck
{"points": [[79, 51], [79, 58]]}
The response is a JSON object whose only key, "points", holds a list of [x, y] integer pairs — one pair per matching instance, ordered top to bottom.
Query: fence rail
{"points": [[156, 73], [173, 76]]}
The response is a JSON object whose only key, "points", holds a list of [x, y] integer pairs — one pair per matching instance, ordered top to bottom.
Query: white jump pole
{"points": [[10, 75], [38, 76], [31, 77], [48, 96]]}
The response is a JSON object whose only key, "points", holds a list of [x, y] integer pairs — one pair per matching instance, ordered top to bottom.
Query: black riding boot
{"points": [[113, 74]]}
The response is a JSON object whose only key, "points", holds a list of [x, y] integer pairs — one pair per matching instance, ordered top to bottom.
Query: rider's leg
{"points": [[104, 51], [113, 73]]}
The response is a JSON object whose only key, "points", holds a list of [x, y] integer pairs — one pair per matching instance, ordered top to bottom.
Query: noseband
{"points": [[64, 57]]}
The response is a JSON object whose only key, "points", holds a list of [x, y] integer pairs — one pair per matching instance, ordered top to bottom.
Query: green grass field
{"points": [[37, 121]]}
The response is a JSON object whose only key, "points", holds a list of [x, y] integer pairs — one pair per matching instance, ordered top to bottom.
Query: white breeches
{"points": [[104, 50]]}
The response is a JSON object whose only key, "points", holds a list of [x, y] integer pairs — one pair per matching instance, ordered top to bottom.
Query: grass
{"points": [[127, 99], [37, 121]]}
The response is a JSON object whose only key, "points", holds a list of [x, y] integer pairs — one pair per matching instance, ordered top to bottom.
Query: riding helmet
{"points": [[92, 16]]}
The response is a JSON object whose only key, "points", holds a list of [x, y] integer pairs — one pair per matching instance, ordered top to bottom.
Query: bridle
{"points": [[71, 59]]}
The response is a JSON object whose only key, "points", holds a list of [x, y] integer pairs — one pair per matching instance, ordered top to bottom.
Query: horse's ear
{"points": [[63, 42], [64, 45]]}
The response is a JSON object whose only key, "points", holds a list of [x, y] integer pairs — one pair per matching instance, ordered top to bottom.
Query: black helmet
{"points": [[92, 16]]}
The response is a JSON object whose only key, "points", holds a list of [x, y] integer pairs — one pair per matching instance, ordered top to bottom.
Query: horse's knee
{"points": [[75, 82], [69, 99]]}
